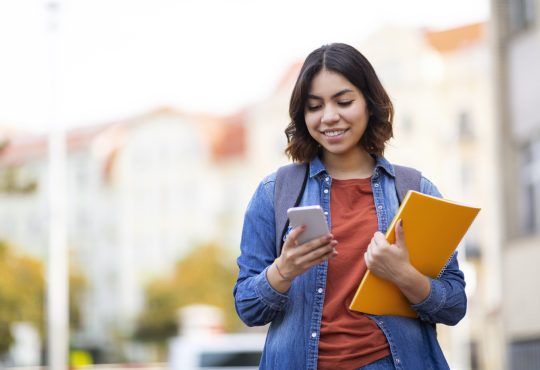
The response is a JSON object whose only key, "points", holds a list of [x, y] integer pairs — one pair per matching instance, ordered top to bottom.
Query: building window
{"points": [[522, 15], [407, 124], [465, 126], [467, 176], [530, 191], [474, 355], [525, 355]]}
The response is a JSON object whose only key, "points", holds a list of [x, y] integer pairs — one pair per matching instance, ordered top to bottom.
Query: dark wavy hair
{"points": [[350, 63]]}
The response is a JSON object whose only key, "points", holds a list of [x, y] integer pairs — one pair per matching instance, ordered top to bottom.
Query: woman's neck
{"points": [[355, 166]]}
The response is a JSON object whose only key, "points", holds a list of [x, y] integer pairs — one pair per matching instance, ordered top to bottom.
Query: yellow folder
{"points": [[433, 228]]}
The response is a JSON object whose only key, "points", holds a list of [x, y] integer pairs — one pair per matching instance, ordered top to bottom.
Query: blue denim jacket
{"points": [[295, 316]]}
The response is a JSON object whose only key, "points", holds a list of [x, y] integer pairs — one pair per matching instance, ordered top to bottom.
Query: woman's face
{"points": [[336, 114]]}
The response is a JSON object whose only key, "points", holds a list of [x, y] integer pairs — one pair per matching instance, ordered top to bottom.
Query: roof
{"points": [[456, 38], [289, 77], [225, 135]]}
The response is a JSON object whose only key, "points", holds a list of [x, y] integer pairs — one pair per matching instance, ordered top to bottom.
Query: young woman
{"points": [[341, 118]]}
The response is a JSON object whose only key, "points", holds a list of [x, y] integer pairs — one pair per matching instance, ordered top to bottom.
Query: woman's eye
{"points": [[345, 103], [313, 107]]}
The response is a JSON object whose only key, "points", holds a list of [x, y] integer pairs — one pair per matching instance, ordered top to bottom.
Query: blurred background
{"points": [[133, 133]]}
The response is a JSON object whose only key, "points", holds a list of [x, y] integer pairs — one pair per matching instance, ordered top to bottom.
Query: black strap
{"points": [[288, 193]]}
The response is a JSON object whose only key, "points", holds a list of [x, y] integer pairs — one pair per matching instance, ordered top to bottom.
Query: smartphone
{"points": [[314, 219]]}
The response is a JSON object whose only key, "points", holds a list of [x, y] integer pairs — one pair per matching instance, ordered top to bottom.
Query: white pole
{"points": [[57, 269]]}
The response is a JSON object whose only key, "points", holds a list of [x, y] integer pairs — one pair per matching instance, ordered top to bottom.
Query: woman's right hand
{"points": [[296, 259]]}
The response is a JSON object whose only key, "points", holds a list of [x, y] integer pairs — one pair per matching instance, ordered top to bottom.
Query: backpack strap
{"points": [[407, 178], [289, 187]]}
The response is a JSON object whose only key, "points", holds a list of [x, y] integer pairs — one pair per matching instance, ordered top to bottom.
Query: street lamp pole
{"points": [[57, 266]]}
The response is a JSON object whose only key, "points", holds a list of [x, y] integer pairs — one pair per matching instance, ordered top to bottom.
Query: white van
{"points": [[216, 351]]}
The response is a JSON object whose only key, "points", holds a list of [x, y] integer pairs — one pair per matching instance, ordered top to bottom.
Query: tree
{"points": [[205, 276], [22, 293]]}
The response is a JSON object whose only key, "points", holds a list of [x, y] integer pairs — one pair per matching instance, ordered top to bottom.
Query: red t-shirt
{"points": [[349, 339]]}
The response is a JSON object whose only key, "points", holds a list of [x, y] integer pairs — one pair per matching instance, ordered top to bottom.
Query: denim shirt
{"points": [[295, 316]]}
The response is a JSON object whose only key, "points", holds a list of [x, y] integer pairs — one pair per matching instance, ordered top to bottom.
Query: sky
{"points": [[110, 59]]}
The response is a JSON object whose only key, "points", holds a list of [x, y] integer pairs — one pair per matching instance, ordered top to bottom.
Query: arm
{"points": [[391, 262], [263, 281], [440, 300], [256, 301], [446, 302]]}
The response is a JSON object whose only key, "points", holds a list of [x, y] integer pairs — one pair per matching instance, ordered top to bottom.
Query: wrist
{"points": [[280, 272], [406, 276], [413, 284]]}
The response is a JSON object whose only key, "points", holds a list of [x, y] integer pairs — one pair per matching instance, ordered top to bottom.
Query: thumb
{"points": [[400, 235]]}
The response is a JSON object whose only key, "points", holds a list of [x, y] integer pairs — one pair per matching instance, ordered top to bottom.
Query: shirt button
{"points": [[327, 178], [376, 185], [325, 191], [380, 207], [326, 213], [320, 290], [313, 335], [397, 361]]}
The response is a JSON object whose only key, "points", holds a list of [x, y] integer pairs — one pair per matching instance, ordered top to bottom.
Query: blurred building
{"points": [[516, 45], [141, 193]]}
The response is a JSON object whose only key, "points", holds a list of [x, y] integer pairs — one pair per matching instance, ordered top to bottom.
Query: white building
{"points": [[141, 193]]}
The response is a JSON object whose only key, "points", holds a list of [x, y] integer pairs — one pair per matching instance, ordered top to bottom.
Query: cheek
{"points": [[358, 116], [311, 121]]}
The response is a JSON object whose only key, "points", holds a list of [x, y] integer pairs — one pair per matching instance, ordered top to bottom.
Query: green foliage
{"points": [[13, 181], [205, 276], [77, 289], [22, 293]]}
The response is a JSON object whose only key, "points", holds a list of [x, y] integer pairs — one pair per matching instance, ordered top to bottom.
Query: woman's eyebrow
{"points": [[336, 95]]}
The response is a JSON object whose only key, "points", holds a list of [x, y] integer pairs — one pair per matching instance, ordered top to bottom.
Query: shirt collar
{"points": [[381, 162], [316, 166]]}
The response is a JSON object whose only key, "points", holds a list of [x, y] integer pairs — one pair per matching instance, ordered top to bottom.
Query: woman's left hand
{"points": [[388, 261], [391, 262]]}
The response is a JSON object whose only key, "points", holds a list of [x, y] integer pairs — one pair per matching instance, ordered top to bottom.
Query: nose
{"points": [[329, 115]]}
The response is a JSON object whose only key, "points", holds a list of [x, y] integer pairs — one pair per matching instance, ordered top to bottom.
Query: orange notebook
{"points": [[433, 228]]}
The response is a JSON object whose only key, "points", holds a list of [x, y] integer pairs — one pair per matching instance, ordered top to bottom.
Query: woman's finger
{"points": [[293, 236], [317, 255]]}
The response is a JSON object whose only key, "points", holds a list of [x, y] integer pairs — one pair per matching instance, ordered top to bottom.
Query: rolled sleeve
{"points": [[267, 294], [434, 301], [256, 302], [446, 302]]}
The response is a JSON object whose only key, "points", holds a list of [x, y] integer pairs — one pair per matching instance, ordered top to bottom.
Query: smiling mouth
{"points": [[333, 133]]}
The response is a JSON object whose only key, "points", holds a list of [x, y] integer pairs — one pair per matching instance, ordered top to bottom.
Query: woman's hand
{"points": [[296, 259], [391, 262]]}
